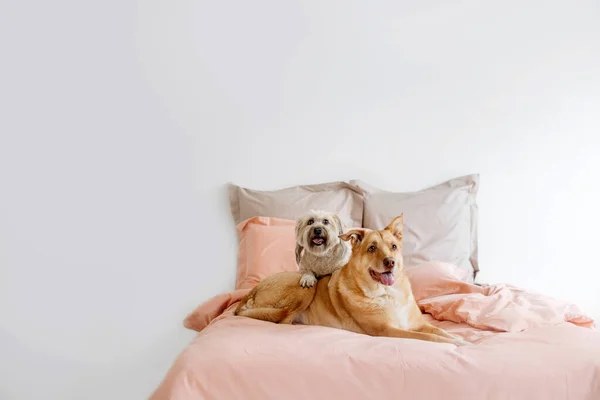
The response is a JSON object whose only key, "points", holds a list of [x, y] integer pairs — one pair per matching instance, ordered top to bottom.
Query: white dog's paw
{"points": [[308, 280]]}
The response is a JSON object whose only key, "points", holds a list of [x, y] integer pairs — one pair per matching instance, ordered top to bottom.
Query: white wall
{"points": [[122, 121]]}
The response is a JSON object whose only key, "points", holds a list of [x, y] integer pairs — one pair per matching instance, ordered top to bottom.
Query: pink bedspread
{"points": [[524, 346]]}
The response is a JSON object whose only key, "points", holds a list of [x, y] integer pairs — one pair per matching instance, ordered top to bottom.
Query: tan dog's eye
{"points": [[325, 221], [310, 222], [394, 247], [371, 249]]}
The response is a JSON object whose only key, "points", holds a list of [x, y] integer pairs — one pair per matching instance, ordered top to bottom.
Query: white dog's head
{"points": [[317, 232]]}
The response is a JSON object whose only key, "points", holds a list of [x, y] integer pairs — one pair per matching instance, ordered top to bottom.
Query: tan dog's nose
{"points": [[389, 262]]}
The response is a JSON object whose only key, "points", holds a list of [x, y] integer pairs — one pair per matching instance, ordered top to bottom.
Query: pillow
{"points": [[292, 202], [440, 222], [266, 246], [437, 278]]}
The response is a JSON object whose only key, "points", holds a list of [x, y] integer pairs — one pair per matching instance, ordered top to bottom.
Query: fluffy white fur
{"points": [[319, 250]]}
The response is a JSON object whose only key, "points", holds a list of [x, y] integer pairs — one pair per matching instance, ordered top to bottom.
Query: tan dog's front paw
{"points": [[308, 280], [460, 342]]}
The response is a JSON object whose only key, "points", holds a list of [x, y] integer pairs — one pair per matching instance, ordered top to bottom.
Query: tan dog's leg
{"points": [[277, 298], [276, 315], [428, 328], [391, 331], [401, 333]]}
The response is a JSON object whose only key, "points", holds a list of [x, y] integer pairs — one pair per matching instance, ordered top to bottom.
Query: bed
{"points": [[523, 345]]}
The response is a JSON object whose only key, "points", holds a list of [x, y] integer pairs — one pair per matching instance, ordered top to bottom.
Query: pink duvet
{"points": [[524, 346]]}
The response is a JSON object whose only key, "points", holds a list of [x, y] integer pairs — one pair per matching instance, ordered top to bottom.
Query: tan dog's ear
{"points": [[339, 224], [396, 226], [355, 236]]}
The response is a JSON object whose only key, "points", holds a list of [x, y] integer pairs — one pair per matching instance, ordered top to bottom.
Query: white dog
{"points": [[319, 250]]}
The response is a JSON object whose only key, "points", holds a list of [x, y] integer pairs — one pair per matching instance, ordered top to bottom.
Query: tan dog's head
{"points": [[318, 232], [377, 255]]}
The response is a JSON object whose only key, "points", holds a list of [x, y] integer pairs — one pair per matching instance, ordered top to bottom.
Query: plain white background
{"points": [[121, 122]]}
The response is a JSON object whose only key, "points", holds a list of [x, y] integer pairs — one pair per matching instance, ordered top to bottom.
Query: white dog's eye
{"points": [[325, 221], [310, 222], [394, 247], [371, 249]]}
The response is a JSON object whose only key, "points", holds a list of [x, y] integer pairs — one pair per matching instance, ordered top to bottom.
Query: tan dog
{"points": [[370, 295]]}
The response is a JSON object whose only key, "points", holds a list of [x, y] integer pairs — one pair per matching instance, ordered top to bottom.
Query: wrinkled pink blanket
{"points": [[524, 346]]}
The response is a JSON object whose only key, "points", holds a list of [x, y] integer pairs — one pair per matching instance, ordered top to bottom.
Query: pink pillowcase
{"points": [[267, 246], [436, 278]]}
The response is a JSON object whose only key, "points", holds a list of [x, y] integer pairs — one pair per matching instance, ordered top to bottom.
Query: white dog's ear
{"points": [[299, 223], [339, 224], [355, 236], [298, 253]]}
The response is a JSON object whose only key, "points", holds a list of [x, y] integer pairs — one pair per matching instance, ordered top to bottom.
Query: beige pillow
{"points": [[292, 202], [440, 222]]}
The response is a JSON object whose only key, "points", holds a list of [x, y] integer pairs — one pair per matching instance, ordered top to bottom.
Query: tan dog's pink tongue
{"points": [[387, 279]]}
